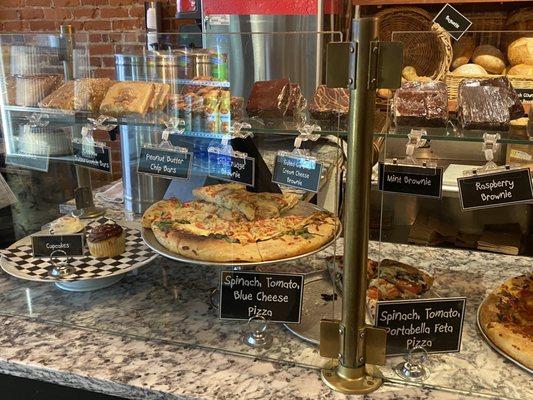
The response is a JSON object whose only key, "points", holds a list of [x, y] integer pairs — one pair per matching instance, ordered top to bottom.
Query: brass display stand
{"points": [[358, 346]]}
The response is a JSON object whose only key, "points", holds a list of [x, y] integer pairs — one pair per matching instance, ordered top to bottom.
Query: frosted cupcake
{"points": [[106, 240]]}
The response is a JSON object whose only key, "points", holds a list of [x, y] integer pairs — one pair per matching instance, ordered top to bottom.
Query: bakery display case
{"points": [[211, 194]]}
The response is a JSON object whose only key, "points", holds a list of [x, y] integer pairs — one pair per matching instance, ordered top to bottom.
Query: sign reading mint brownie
{"points": [[453, 21], [92, 156], [165, 163], [231, 168], [297, 171], [407, 179], [495, 189], [44, 245], [276, 297], [435, 324]]}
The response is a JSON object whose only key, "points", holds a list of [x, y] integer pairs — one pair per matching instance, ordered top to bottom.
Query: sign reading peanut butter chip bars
{"points": [[165, 163], [296, 171]]}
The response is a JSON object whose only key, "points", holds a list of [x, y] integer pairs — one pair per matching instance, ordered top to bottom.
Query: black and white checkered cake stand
{"points": [[90, 273]]}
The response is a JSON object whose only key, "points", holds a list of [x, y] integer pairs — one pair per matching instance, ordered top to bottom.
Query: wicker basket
{"points": [[427, 47], [453, 81]]}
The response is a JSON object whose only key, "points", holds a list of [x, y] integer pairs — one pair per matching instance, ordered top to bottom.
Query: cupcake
{"points": [[66, 225], [106, 240]]}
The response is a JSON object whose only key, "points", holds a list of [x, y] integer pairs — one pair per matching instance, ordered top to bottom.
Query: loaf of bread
{"points": [[463, 50], [521, 51], [490, 58], [521, 69], [470, 70], [127, 98]]}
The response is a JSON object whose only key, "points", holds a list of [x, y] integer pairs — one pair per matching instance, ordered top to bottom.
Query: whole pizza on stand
{"points": [[229, 224]]}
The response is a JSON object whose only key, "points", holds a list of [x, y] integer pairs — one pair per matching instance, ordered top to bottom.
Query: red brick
{"points": [[95, 2], [121, 2], [12, 3], [38, 3], [66, 3], [137, 11], [113, 12], [31, 13], [57, 13], [80, 13], [8, 14], [127, 24], [97, 25], [11, 26], [43, 26], [95, 37], [101, 49], [95, 62], [108, 62], [104, 73]]}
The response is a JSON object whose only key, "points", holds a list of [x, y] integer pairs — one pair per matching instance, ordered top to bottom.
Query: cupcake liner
{"points": [[110, 247]]}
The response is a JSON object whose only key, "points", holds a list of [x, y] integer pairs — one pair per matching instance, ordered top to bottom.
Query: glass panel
{"points": [[187, 112], [456, 253]]}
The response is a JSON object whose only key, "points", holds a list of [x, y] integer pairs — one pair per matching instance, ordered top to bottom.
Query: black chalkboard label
{"points": [[453, 21], [525, 94], [93, 157], [36, 163], [165, 163], [231, 168], [298, 172], [413, 180], [495, 189], [44, 245], [277, 297], [435, 324]]}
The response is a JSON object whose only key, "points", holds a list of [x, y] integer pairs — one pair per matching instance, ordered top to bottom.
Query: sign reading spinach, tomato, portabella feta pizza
{"points": [[165, 163], [300, 172], [496, 189], [276, 297], [434, 324]]}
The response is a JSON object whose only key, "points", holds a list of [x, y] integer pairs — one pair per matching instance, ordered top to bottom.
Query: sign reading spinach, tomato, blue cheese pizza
{"points": [[452, 21], [92, 156], [165, 163], [232, 168], [300, 172], [410, 179], [496, 189], [44, 245], [276, 297], [434, 324]]}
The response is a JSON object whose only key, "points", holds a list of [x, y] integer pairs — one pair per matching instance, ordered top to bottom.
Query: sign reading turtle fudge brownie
{"points": [[453, 21], [92, 156], [36, 163], [165, 163], [231, 168], [297, 171], [407, 179], [495, 189], [44, 245], [276, 297], [434, 324]]}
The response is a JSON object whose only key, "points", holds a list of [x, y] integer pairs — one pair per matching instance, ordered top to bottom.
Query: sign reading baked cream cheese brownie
{"points": [[92, 156], [165, 163], [231, 168], [297, 171], [407, 179], [495, 189], [44, 245], [276, 297], [434, 324]]}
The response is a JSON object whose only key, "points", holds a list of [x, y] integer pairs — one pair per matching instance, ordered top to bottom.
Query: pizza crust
{"points": [[287, 246], [216, 250]]}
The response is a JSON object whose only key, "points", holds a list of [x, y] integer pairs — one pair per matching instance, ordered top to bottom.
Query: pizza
{"points": [[229, 224], [506, 317]]}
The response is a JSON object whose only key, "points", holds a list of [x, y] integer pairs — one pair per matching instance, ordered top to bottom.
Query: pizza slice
{"points": [[232, 196], [164, 209], [290, 245]]}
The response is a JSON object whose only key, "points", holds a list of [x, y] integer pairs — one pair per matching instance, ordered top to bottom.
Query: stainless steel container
{"points": [[140, 191]]}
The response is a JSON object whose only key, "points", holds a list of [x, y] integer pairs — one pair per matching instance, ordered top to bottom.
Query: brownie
{"points": [[269, 99], [329, 103], [421, 104], [482, 107], [516, 109]]}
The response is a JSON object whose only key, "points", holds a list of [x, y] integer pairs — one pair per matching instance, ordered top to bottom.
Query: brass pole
{"points": [[352, 376]]}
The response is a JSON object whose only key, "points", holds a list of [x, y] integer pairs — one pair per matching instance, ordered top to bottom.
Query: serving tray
{"points": [[302, 208], [491, 343]]}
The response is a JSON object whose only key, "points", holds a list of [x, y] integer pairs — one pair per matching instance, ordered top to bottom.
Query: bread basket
{"points": [[453, 81]]}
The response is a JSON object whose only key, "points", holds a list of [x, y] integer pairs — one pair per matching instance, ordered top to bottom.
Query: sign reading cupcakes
{"points": [[92, 156]]}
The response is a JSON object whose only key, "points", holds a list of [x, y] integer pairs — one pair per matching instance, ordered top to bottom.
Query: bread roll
{"points": [[462, 51], [521, 51], [490, 58], [521, 69], [470, 70]]}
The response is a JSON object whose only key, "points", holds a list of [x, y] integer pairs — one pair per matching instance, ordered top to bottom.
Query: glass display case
{"points": [[193, 193]]}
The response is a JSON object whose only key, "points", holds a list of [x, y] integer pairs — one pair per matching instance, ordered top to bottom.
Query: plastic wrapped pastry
{"points": [[81, 94], [128, 98], [269, 99], [421, 104]]}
